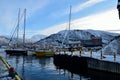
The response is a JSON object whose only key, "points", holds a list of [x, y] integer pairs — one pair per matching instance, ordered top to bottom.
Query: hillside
{"points": [[77, 35], [37, 37], [113, 46]]}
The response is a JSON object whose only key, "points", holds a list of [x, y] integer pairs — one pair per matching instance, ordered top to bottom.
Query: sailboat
{"points": [[67, 45], [18, 51], [44, 52], [47, 52]]}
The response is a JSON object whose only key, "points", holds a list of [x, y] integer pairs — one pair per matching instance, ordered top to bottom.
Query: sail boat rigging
{"points": [[18, 26], [69, 26], [24, 28], [67, 33], [18, 51]]}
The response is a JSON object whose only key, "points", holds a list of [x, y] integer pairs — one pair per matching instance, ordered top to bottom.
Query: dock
{"points": [[85, 61]]}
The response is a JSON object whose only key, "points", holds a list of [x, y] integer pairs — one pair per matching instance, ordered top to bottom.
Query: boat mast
{"points": [[69, 25], [18, 26], [24, 28]]}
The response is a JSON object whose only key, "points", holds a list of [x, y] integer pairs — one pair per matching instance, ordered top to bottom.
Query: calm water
{"points": [[32, 68]]}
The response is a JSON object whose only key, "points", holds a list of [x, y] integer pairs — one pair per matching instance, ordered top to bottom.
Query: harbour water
{"points": [[32, 68]]}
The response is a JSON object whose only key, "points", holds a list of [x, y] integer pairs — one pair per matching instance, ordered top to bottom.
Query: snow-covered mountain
{"points": [[77, 35], [106, 36], [37, 37], [3, 40], [110, 41], [113, 46]]}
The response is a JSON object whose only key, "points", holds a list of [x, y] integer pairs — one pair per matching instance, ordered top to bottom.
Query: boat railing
{"points": [[10, 69]]}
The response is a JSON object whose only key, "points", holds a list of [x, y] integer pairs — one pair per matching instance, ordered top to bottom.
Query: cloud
{"points": [[85, 5], [76, 8], [9, 11], [107, 20]]}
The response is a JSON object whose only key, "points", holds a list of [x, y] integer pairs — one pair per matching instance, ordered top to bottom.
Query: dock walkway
{"points": [[86, 60]]}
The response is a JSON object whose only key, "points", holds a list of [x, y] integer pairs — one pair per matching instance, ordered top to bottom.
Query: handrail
{"points": [[8, 67]]}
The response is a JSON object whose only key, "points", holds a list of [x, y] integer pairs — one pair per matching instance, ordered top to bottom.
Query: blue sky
{"points": [[50, 16]]}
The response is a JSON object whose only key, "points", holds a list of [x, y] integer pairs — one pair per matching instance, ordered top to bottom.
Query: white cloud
{"points": [[85, 5], [76, 8], [9, 11], [107, 20]]}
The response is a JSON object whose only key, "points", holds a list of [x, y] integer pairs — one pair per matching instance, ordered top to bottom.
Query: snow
{"points": [[99, 33], [77, 35], [106, 36], [38, 37], [113, 46], [95, 55]]}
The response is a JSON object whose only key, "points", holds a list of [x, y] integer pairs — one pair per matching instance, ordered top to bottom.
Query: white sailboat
{"points": [[67, 35], [19, 51]]}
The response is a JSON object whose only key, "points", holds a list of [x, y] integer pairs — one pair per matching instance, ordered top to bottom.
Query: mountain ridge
{"points": [[76, 35]]}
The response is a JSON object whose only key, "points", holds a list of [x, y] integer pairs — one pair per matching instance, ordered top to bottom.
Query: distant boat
{"points": [[18, 51], [46, 53]]}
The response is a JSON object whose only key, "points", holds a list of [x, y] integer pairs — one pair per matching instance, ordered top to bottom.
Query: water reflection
{"points": [[43, 62], [32, 68], [23, 70], [90, 74]]}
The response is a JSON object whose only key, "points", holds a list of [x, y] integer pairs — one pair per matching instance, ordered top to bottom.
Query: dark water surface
{"points": [[32, 68]]}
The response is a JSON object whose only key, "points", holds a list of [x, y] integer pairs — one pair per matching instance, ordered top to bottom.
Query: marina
{"points": [[50, 41], [89, 60], [33, 68], [65, 68]]}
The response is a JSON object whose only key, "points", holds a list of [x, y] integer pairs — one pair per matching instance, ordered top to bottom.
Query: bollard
{"points": [[59, 51], [64, 51], [72, 52], [80, 52], [90, 53], [101, 55], [114, 56]]}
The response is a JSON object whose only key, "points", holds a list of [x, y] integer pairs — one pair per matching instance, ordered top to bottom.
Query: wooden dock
{"points": [[84, 63], [102, 65]]}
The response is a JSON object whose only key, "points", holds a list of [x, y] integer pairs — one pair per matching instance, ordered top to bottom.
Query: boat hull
{"points": [[16, 52], [44, 54]]}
